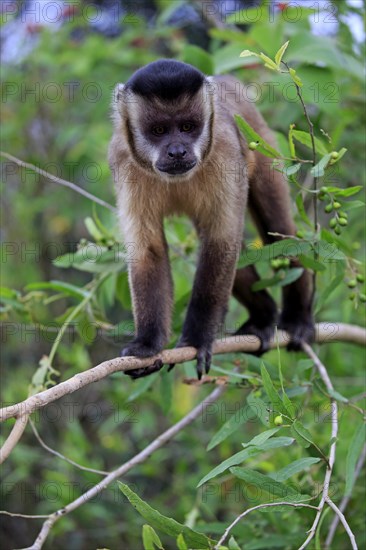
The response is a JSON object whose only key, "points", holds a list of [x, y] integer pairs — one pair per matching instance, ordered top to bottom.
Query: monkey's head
{"points": [[167, 110]]}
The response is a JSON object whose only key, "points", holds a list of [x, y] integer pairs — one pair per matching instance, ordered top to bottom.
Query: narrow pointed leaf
{"points": [[281, 51], [251, 135], [238, 458], [294, 468], [267, 484], [166, 525], [150, 539]]}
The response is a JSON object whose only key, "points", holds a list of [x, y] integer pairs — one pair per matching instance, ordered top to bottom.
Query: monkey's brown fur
{"points": [[214, 195]]}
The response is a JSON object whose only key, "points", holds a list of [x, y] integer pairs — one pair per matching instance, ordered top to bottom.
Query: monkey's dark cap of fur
{"points": [[166, 79]]}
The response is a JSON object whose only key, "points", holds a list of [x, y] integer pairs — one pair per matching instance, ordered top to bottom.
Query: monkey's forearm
{"points": [[151, 286], [210, 293]]}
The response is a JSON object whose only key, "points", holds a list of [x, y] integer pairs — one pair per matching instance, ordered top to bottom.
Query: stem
{"points": [[141, 457]]}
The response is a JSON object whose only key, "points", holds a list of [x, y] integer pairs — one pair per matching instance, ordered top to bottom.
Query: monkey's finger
{"points": [[208, 362], [199, 364], [171, 367], [139, 373]]}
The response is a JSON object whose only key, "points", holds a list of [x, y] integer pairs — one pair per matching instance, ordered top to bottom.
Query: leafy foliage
{"points": [[66, 304]]}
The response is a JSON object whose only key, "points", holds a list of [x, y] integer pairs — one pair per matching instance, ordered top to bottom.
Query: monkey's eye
{"points": [[187, 127], [159, 130]]}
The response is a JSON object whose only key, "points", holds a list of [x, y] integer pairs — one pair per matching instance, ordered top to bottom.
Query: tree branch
{"points": [[57, 180], [325, 332], [14, 436], [332, 452], [59, 455], [124, 468], [345, 500], [266, 505], [344, 522]]}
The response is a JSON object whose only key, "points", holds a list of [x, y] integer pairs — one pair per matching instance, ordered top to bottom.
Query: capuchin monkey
{"points": [[176, 149]]}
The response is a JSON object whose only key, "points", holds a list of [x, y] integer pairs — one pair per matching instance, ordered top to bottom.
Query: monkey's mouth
{"points": [[176, 169]]}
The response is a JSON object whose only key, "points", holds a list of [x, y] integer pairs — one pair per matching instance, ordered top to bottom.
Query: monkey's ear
{"points": [[118, 91]]}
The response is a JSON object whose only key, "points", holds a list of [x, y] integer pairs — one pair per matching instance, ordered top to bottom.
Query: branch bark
{"points": [[325, 332], [124, 468], [325, 499], [345, 500], [258, 507]]}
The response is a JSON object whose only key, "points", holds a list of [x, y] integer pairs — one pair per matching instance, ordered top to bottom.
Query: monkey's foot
{"points": [[300, 331], [264, 333], [137, 349], [204, 357]]}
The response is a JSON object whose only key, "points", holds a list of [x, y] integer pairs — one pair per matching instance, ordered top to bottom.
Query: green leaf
{"points": [[248, 53], [279, 54], [269, 63], [295, 77], [251, 135], [305, 139], [291, 141], [341, 154], [293, 169], [318, 170], [348, 192], [351, 205], [301, 210], [93, 229], [329, 251], [92, 259], [310, 263], [279, 279], [60, 286], [339, 397], [276, 401], [259, 408], [235, 421], [301, 434], [261, 438], [249, 452], [354, 452], [294, 468], [267, 484], [166, 525], [150, 539], [273, 541], [181, 543], [233, 545]]}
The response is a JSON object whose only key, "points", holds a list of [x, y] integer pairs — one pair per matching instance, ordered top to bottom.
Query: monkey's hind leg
{"points": [[269, 203], [261, 306]]}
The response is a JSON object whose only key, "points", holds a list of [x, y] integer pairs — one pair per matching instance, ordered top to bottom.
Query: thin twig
{"points": [[59, 181], [325, 333], [14, 436], [332, 451], [56, 453], [127, 466], [345, 500], [258, 507], [26, 516], [344, 523]]}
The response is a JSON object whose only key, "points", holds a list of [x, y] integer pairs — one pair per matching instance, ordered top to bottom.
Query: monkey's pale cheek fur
{"points": [[176, 149]]}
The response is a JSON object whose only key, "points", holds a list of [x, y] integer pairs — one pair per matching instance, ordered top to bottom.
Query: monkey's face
{"points": [[170, 138], [173, 141]]}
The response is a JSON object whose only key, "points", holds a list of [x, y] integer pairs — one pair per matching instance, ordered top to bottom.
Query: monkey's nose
{"points": [[176, 151]]}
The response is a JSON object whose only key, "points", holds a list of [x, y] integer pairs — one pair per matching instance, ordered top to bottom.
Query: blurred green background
{"points": [[56, 95]]}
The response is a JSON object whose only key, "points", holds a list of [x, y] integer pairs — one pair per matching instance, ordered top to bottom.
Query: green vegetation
{"points": [[66, 304]]}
